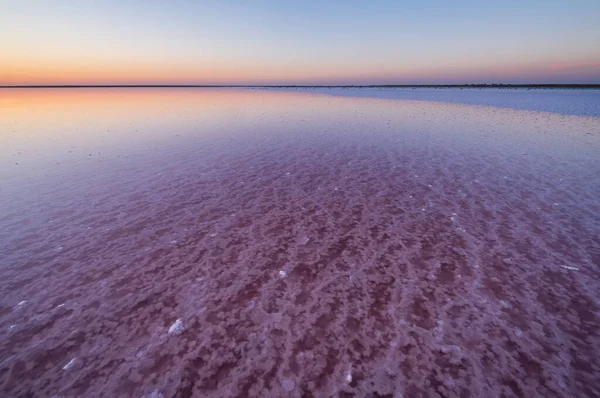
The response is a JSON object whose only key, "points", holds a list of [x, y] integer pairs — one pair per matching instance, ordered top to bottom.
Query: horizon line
{"points": [[479, 85]]}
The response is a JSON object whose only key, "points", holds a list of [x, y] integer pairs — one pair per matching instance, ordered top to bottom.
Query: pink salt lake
{"points": [[232, 243]]}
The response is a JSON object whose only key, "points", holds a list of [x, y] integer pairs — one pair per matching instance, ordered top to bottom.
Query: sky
{"points": [[299, 42]]}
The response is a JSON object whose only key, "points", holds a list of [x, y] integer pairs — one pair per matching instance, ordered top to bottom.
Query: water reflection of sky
{"points": [[45, 128]]}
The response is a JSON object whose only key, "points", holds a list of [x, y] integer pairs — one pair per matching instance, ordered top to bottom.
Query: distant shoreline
{"points": [[507, 86]]}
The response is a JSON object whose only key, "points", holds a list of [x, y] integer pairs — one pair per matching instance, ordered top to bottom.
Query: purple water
{"points": [[260, 243]]}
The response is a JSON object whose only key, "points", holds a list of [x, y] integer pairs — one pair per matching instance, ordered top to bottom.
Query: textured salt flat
{"points": [[567, 101], [258, 243]]}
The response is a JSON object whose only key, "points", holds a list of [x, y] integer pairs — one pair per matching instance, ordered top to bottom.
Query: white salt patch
{"points": [[576, 102], [452, 218], [304, 240], [173, 242], [507, 260], [571, 268], [282, 274], [21, 304], [60, 305], [12, 327], [177, 327], [70, 364], [349, 377], [288, 385]]}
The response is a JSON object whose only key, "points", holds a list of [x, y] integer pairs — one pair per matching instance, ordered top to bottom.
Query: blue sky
{"points": [[262, 42]]}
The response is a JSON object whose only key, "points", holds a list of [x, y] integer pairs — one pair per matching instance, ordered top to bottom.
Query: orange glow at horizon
{"points": [[58, 74]]}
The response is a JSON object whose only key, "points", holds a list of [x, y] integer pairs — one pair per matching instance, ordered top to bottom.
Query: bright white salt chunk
{"points": [[571, 268], [282, 274], [21, 303], [177, 327], [70, 364], [349, 377]]}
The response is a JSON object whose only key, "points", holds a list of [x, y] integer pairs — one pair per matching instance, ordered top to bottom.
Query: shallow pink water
{"points": [[309, 245]]}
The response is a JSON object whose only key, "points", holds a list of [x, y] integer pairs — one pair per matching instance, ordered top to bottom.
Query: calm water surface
{"points": [[228, 243]]}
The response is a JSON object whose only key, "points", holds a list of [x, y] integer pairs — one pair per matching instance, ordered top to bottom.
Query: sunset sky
{"points": [[298, 42]]}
